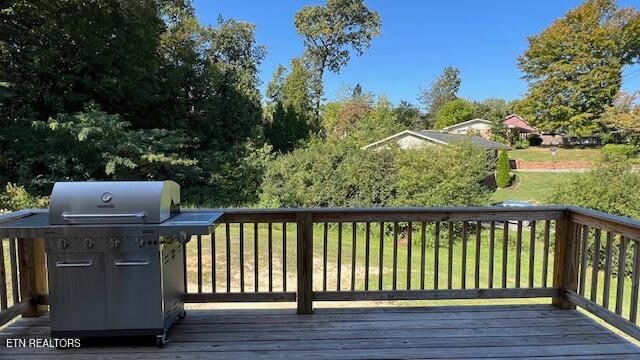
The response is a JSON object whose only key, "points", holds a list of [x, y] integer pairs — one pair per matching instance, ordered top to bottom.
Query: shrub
{"points": [[522, 144], [618, 151], [330, 174], [337, 174], [443, 176], [503, 179], [610, 187], [15, 197]]}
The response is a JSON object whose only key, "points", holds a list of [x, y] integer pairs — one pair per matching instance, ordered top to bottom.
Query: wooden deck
{"points": [[514, 331]]}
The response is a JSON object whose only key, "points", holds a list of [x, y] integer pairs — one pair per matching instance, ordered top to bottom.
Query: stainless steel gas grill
{"points": [[114, 255]]}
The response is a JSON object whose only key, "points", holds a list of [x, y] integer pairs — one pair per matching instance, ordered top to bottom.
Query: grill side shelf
{"points": [[24, 223], [193, 223]]}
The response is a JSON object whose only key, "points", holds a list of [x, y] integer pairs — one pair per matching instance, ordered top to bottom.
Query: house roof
{"points": [[514, 121], [466, 123], [444, 138]]}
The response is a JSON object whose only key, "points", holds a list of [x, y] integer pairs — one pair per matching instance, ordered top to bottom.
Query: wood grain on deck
{"points": [[520, 331]]}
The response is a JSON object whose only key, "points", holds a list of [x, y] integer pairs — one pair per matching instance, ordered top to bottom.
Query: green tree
{"points": [[331, 33], [63, 54], [574, 66], [443, 90], [291, 96], [493, 109], [454, 112], [624, 113], [409, 115], [95, 145], [503, 177]]}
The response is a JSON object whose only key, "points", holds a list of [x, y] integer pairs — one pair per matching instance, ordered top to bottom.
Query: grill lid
{"points": [[113, 202]]}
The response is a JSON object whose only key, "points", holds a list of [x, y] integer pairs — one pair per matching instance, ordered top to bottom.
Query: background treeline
{"points": [[140, 89], [130, 90]]}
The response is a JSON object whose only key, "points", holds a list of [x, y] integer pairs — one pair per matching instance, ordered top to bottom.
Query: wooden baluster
{"points": [[367, 236], [584, 236], [325, 238], [354, 241], [423, 241], [409, 246], [505, 249], [492, 252], [532, 252], [228, 254], [270, 254], [518, 254], [241, 255], [395, 255], [545, 255], [284, 256], [304, 256], [380, 256], [436, 256], [199, 257], [477, 260], [213, 261], [622, 261], [450, 263], [596, 265], [339, 269], [463, 270], [14, 271], [32, 274], [184, 274], [3, 278], [256, 280], [606, 286], [633, 314]]}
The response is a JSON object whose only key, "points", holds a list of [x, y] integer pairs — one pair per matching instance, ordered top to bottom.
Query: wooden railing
{"points": [[572, 255]]}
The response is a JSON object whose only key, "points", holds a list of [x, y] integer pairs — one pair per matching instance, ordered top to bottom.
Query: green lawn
{"points": [[535, 153], [537, 187]]}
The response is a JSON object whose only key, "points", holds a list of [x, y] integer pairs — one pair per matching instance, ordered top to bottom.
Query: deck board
{"points": [[522, 331]]}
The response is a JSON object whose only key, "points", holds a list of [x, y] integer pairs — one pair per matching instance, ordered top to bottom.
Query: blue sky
{"points": [[419, 38]]}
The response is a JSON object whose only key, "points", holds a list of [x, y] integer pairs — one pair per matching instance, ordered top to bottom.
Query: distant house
{"points": [[480, 127], [518, 127], [410, 139]]}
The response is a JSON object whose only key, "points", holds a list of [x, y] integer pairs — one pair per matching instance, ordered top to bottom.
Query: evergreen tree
{"points": [[503, 178]]}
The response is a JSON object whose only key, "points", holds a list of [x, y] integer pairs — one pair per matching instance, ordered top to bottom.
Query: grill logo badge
{"points": [[106, 198]]}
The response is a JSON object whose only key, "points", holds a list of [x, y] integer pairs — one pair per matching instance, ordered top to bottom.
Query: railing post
{"points": [[305, 262], [565, 263], [33, 274]]}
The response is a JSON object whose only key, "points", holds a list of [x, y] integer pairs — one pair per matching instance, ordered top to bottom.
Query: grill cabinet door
{"points": [[134, 290], [77, 292]]}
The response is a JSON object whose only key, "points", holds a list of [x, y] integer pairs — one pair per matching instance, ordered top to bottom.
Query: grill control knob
{"points": [[183, 237], [115, 242], [140, 242], [63, 243], [89, 243]]}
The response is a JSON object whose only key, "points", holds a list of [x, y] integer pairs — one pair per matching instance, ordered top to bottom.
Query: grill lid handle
{"points": [[138, 215]]}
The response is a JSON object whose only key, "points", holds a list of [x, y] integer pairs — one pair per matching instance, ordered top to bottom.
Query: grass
{"points": [[535, 153], [536, 187]]}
